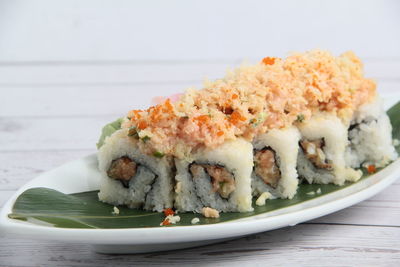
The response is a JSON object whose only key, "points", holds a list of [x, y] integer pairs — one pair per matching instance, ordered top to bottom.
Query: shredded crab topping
{"points": [[275, 93]]}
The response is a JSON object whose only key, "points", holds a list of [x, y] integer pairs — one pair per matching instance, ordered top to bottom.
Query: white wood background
{"points": [[69, 67]]}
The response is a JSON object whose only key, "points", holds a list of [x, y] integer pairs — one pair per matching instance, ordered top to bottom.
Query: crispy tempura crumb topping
{"points": [[275, 93]]}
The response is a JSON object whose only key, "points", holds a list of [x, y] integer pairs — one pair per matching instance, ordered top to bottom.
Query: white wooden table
{"points": [[54, 101]]}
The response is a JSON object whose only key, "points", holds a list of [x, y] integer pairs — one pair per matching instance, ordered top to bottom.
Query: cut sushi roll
{"points": [[209, 133], [370, 139], [275, 157], [321, 157], [132, 178], [217, 178]]}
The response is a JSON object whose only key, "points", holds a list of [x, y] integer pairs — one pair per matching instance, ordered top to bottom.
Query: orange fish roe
{"points": [[268, 60], [253, 99], [236, 117], [202, 119], [142, 125], [371, 169], [168, 211], [166, 222]]}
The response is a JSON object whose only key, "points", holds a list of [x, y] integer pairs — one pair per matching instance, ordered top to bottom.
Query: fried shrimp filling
{"points": [[313, 150], [266, 167], [122, 169], [222, 180]]}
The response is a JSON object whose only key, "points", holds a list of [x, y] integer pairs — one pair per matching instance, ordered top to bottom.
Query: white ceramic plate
{"points": [[82, 175]]}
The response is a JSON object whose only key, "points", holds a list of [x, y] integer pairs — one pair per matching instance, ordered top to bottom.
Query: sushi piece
{"points": [[370, 139], [275, 157], [321, 158], [132, 178], [217, 178]]}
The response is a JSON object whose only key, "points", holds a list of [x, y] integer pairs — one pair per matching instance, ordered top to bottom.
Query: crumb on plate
{"points": [[262, 198], [115, 211], [209, 212], [170, 219], [195, 220]]}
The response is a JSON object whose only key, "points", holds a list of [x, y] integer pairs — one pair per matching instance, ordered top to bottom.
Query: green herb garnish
{"points": [[300, 118], [260, 119], [253, 121], [133, 132], [145, 138], [158, 154]]}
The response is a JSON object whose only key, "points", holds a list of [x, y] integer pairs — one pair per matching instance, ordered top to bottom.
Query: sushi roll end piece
{"points": [[370, 138], [132, 178]]}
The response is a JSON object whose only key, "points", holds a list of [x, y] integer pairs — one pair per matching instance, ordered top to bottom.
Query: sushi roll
{"points": [[259, 131], [370, 139], [321, 156], [275, 157], [132, 178], [217, 179]]}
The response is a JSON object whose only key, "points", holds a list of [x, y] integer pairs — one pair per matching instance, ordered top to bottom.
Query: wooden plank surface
{"points": [[301, 245]]}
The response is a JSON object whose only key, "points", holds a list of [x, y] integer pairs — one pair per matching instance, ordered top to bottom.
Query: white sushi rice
{"points": [[334, 132], [371, 140], [284, 142], [396, 142], [151, 188], [194, 194], [263, 198], [115, 211], [173, 219], [195, 220]]}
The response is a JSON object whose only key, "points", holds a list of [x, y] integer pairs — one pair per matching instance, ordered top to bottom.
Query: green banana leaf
{"points": [[394, 115], [84, 210]]}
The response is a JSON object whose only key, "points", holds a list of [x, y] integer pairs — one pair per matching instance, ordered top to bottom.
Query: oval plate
{"points": [[82, 175]]}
